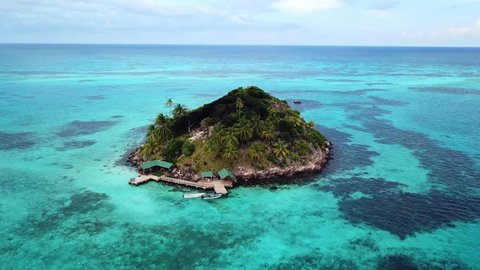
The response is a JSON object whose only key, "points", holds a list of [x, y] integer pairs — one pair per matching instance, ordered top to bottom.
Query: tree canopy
{"points": [[247, 127]]}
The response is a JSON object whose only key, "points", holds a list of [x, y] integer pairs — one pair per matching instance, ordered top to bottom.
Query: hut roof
{"points": [[159, 163], [224, 173], [208, 174]]}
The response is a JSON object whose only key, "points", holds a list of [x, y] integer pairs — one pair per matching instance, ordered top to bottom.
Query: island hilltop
{"points": [[255, 136]]}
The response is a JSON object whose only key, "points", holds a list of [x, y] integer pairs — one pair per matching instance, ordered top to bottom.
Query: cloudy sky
{"points": [[279, 22]]}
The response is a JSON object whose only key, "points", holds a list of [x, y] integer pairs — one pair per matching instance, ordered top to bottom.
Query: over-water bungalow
{"points": [[156, 165], [226, 174], [207, 175]]}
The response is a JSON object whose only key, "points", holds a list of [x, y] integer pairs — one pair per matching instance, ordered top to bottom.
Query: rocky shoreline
{"points": [[314, 163], [250, 176]]}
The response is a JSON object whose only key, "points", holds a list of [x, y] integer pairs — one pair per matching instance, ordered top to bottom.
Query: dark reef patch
{"points": [[340, 80], [379, 83], [446, 90], [357, 92], [96, 97], [387, 102], [77, 128], [137, 132], [19, 140], [76, 145], [346, 155], [67, 166], [446, 166], [345, 187], [83, 202], [87, 208], [389, 208], [404, 214], [363, 244], [157, 247], [315, 260], [396, 262], [404, 262]]}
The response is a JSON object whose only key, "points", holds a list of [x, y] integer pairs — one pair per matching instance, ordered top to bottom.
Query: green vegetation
{"points": [[247, 127]]}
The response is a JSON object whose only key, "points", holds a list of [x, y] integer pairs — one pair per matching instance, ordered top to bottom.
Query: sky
{"points": [[252, 22]]}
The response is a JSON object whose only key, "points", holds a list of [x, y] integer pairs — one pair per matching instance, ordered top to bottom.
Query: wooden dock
{"points": [[218, 185]]}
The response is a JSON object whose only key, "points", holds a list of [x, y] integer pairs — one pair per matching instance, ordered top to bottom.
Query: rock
{"points": [[313, 163]]}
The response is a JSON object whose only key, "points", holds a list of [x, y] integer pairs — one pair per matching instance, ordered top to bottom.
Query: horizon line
{"points": [[238, 45]]}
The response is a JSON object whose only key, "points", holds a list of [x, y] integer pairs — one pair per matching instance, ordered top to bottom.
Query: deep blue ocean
{"points": [[401, 192]]}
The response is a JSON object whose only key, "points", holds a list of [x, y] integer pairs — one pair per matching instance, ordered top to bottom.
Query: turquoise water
{"points": [[402, 192]]}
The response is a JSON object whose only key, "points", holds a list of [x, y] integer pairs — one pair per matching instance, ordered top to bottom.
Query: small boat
{"points": [[296, 101], [193, 195], [211, 196]]}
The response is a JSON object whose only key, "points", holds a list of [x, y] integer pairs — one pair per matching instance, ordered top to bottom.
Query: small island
{"points": [[247, 135]]}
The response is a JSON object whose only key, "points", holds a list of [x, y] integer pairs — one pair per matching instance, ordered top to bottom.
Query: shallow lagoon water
{"points": [[402, 191]]}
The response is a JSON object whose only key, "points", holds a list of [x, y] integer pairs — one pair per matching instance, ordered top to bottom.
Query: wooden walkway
{"points": [[218, 185]]}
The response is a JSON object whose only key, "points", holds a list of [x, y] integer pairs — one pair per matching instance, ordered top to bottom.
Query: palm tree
{"points": [[169, 104], [239, 105], [179, 110], [258, 126], [163, 128], [150, 131], [245, 132], [268, 134], [230, 138], [149, 148], [212, 148], [280, 150], [257, 151], [230, 152]]}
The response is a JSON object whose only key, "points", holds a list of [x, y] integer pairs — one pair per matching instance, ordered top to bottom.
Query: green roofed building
{"points": [[156, 163], [224, 173], [208, 174]]}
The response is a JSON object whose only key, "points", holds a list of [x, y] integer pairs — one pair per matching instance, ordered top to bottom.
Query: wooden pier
{"points": [[218, 185]]}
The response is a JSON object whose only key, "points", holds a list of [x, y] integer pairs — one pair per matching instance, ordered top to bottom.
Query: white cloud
{"points": [[385, 5], [306, 6], [378, 13], [472, 29]]}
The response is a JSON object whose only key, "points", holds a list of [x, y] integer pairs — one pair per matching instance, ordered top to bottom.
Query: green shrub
{"points": [[209, 121], [317, 137], [302, 147], [188, 148], [173, 150]]}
